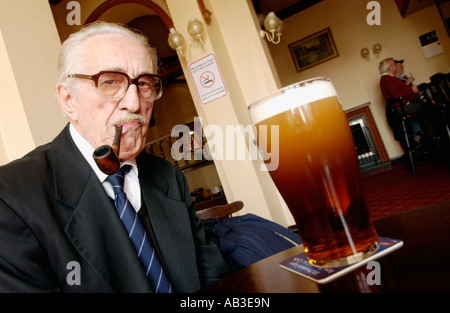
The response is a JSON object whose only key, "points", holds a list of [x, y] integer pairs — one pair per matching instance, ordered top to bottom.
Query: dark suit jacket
{"points": [[54, 210]]}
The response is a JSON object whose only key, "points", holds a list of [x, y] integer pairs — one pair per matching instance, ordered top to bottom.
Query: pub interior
{"points": [[249, 67]]}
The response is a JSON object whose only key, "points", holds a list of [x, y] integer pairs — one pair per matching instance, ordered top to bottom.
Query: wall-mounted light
{"points": [[273, 28], [195, 29], [176, 40], [366, 53]]}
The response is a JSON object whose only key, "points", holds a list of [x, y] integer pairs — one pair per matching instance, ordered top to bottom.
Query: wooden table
{"points": [[421, 265]]}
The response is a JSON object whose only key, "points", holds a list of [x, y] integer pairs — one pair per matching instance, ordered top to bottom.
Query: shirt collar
{"points": [[387, 74], [87, 150]]}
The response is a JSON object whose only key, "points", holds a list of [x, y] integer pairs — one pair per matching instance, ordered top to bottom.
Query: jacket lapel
{"points": [[171, 225], [94, 228]]}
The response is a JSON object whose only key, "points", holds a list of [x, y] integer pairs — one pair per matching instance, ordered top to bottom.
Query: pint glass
{"points": [[318, 172]]}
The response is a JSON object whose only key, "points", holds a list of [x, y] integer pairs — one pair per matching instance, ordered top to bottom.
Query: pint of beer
{"points": [[318, 173]]}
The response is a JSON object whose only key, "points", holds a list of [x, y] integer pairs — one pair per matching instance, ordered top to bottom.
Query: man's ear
{"points": [[67, 101]]}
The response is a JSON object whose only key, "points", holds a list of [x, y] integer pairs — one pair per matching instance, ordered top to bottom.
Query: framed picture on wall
{"points": [[313, 50]]}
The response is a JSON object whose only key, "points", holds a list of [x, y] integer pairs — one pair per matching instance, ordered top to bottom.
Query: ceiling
{"points": [[412, 6], [282, 8], [169, 62]]}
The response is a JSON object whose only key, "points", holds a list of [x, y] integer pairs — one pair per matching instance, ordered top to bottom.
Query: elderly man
{"points": [[393, 87], [395, 90], [64, 225]]}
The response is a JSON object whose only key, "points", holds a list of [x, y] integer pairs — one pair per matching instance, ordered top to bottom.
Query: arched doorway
{"points": [[111, 4]]}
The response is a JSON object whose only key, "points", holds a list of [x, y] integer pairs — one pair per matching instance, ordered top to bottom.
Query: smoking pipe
{"points": [[107, 157]]}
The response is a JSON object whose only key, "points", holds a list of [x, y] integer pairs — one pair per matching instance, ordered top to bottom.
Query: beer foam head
{"points": [[290, 97]]}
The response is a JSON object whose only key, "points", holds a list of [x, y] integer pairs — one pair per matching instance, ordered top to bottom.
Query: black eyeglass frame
{"points": [[131, 81]]}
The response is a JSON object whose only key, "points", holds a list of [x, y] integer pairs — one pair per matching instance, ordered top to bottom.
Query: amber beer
{"points": [[318, 173]]}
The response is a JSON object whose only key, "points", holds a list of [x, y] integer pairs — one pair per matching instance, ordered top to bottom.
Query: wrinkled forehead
{"points": [[116, 52]]}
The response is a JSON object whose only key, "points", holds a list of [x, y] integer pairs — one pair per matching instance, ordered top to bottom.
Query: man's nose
{"points": [[130, 100]]}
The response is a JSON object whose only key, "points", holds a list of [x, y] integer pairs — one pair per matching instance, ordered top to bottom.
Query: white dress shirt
{"points": [[131, 185]]}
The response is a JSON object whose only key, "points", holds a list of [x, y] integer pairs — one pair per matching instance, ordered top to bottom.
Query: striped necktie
{"points": [[136, 232]]}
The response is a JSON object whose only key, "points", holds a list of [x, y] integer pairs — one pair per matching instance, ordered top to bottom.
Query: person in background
{"points": [[407, 78], [392, 88], [396, 91], [60, 228]]}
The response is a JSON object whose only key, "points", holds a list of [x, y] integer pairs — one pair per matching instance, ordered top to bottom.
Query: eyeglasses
{"points": [[109, 84]]}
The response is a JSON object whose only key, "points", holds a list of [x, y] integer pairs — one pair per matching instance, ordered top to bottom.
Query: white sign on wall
{"points": [[431, 45], [208, 79]]}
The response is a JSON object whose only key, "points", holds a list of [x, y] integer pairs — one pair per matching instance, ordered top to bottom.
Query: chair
{"points": [[442, 82], [438, 94], [400, 120], [222, 211], [244, 239]]}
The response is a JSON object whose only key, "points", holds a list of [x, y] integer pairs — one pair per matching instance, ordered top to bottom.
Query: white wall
{"points": [[29, 48]]}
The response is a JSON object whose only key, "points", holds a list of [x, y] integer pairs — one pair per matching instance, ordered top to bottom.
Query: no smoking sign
{"points": [[208, 79]]}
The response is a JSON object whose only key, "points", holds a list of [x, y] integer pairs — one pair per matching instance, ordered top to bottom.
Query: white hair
{"points": [[72, 50], [384, 65]]}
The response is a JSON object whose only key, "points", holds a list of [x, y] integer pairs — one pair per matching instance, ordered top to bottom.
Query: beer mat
{"points": [[299, 264]]}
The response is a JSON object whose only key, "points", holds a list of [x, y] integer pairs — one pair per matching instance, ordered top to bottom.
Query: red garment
{"points": [[393, 88]]}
